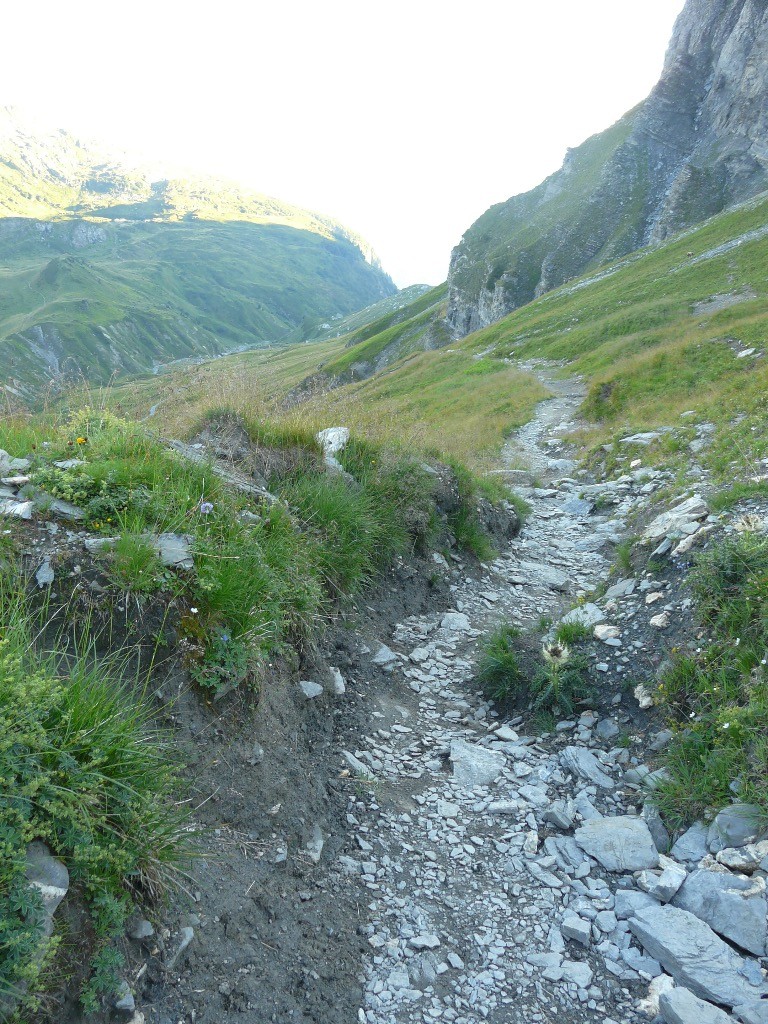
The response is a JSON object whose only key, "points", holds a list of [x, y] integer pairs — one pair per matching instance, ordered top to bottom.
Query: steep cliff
{"points": [[696, 145]]}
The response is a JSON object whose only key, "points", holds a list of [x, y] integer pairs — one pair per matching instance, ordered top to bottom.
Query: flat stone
{"points": [[577, 507], [16, 509], [66, 510], [174, 549], [45, 574], [621, 589], [585, 615], [455, 622], [605, 633], [338, 685], [310, 689], [582, 762], [475, 766], [448, 810], [735, 826], [656, 827], [619, 844], [692, 844], [628, 901], [732, 905], [576, 928], [424, 941], [694, 955], [577, 972], [681, 1006], [752, 1013]]}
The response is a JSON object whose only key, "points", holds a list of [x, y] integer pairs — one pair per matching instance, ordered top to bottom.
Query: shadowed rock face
{"points": [[694, 147]]}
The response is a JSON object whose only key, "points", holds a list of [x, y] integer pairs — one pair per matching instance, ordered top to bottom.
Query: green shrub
{"points": [[133, 564], [569, 633], [499, 668], [561, 680], [717, 697], [80, 769]]}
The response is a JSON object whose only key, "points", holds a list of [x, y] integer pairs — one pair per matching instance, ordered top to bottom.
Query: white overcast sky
{"points": [[404, 120]]}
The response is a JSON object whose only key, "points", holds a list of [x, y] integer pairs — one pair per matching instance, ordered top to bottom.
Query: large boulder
{"points": [[619, 844], [732, 905], [695, 956]]}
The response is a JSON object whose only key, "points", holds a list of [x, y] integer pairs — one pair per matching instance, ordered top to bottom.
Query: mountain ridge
{"points": [[692, 148], [107, 272]]}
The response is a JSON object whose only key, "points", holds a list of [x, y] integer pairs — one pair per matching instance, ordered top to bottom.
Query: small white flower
{"points": [[193, 610], [726, 725]]}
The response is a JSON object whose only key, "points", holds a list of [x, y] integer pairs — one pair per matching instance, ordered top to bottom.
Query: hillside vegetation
{"points": [[106, 272]]}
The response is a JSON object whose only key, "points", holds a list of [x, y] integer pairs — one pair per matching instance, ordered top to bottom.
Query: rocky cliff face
{"points": [[698, 144]]}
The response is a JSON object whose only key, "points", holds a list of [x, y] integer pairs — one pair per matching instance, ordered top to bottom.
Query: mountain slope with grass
{"points": [[693, 148], [107, 272]]}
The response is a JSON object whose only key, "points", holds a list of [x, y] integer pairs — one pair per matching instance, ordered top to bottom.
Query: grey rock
{"points": [[69, 463], [577, 507], [16, 509], [66, 510], [680, 520], [175, 550], [45, 574], [621, 589], [585, 615], [455, 622], [384, 657], [338, 684], [310, 689], [607, 729], [661, 740], [583, 763], [475, 766], [560, 814], [652, 818], [735, 826], [315, 844], [619, 844], [692, 845], [745, 859], [49, 876], [663, 884], [627, 902], [732, 905], [139, 928], [576, 928], [186, 935], [424, 941], [693, 954], [642, 964], [576, 972], [123, 1000], [680, 1006], [752, 1013]]}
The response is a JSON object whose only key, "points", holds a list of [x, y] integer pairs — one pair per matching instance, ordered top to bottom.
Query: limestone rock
{"points": [[678, 521], [584, 764], [475, 766], [735, 826], [619, 844], [732, 905], [694, 955], [680, 1006]]}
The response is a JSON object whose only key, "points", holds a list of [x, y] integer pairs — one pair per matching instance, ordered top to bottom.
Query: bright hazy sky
{"points": [[404, 120]]}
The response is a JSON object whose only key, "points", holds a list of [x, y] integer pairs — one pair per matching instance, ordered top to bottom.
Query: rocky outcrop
{"points": [[694, 147]]}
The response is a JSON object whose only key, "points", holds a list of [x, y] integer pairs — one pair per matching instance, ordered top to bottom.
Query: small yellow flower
{"points": [[82, 440]]}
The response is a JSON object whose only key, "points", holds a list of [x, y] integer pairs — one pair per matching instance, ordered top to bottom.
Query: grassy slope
{"points": [[117, 273], [650, 341]]}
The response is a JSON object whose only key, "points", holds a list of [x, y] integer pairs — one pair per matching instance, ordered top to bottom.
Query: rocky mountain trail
{"points": [[381, 843], [510, 875]]}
